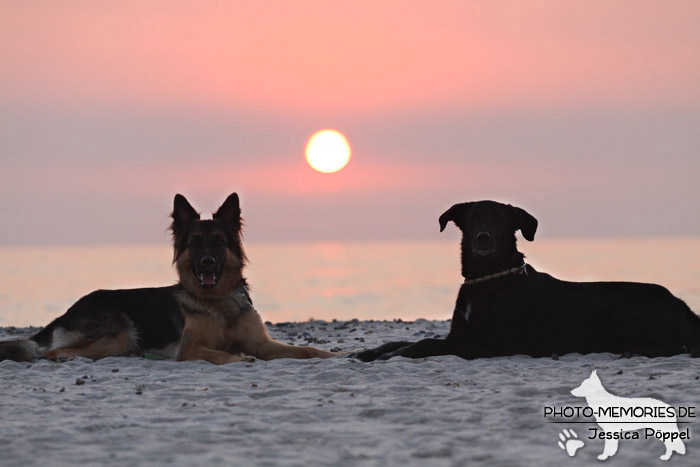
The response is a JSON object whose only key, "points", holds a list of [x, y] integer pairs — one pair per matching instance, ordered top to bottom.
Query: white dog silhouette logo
{"points": [[637, 413]]}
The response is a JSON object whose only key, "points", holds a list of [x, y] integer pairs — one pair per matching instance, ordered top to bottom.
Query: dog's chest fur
{"points": [[472, 303], [475, 304], [224, 311], [467, 312], [216, 324]]}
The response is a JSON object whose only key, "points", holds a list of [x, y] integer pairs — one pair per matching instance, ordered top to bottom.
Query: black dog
{"points": [[506, 307]]}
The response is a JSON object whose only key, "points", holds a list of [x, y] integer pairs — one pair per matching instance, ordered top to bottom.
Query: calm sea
{"points": [[295, 282]]}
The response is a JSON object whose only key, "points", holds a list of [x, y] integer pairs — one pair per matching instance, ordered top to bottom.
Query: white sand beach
{"points": [[435, 411]]}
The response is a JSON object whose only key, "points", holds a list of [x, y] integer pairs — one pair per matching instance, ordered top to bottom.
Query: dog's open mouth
{"points": [[207, 279]]}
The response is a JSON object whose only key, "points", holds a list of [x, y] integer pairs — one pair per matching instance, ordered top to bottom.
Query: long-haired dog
{"points": [[506, 307], [207, 315]]}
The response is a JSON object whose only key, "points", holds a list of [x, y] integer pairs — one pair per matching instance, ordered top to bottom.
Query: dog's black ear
{"points": [[183, 212], [230, 212], [453, 214], [525, 222]]}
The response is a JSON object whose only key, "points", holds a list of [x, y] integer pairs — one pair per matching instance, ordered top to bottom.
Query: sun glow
{"points": [[327, 151]]}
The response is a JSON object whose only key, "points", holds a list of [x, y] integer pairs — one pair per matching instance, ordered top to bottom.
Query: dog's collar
{"points": [[522, 270], [242, 289]]}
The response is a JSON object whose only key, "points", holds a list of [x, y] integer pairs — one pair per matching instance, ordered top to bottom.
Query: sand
{"points": [[435, 411]]}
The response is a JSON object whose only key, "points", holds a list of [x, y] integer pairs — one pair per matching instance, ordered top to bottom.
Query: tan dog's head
{"points": [[209, 254]]}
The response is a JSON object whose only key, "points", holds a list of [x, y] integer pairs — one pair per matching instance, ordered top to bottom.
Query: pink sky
{"points": [[584, 113]]}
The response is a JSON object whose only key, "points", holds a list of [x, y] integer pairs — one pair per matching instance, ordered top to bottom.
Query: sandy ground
{"points": [[436, 411]]}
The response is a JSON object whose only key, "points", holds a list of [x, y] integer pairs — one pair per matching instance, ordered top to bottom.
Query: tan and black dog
{"points": [[207, 315]]}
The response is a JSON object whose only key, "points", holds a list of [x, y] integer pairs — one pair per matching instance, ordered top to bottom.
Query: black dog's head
{"points": [[488, 235], [208, 253]]}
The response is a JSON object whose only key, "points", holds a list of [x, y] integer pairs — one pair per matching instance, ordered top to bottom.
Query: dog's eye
{"points": [[219, 242], [195, 243]]}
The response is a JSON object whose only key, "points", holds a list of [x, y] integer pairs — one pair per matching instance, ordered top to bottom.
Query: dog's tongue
{"points": [[208, 279]]}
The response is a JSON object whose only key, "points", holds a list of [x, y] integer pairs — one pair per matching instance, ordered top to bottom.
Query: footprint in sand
{"points": [[569, 442]]}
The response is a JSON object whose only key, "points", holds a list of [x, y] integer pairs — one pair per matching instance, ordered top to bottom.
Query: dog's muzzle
{"points": [[483, 244], [206, 272]]}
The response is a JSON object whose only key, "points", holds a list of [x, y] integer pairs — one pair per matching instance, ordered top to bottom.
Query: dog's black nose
{"points": [[484, 239], [207, 261]]}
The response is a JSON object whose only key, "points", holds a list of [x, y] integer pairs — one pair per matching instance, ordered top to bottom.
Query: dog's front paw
{"points": [[383, 352], [365, 355], [388, 355], [59, 357]]}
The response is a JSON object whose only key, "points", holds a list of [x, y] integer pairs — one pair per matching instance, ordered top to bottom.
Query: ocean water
{"points": [[299, 281]]}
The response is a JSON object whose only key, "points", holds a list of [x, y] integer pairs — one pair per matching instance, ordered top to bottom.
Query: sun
{"points": [[327, 151]]}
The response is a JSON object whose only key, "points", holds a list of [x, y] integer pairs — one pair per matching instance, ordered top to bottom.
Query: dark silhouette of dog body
{"points": [[506, 307]]}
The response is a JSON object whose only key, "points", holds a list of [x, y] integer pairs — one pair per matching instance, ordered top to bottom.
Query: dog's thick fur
{"points": [[529, 312], [207, 315]]}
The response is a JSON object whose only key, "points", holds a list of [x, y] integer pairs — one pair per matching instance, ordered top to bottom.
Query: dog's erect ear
{"points": [[183, 212], [230, 212], [453, 214], [525, 222]]}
